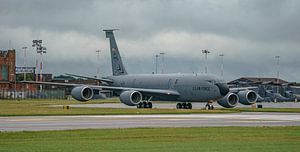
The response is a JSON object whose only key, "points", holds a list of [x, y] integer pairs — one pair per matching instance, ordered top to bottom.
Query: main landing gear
{"points": [[144, 104], [184, 105]]}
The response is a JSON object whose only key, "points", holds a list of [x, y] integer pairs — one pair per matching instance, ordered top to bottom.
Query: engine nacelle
{"points": [[82, 93], [247, 97], [131, 98], [229, 101]]}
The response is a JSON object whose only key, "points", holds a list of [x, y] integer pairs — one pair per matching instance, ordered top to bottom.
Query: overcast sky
{"points": [[250, 33]]}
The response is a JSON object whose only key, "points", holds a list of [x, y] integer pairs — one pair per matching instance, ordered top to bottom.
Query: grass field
{"points": [[43, 107], [223, 139]]}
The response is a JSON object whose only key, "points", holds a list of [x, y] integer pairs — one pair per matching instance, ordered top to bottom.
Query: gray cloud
{"points": [[249, 32]]}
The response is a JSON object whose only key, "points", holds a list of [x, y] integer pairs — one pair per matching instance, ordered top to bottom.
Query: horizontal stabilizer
{"points": [[109, 32]]}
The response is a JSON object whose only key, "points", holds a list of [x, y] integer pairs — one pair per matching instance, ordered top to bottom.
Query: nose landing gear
{"points": [[209, 106]]}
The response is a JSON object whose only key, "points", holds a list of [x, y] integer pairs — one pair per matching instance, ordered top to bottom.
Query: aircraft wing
{"points": [[89, 77], [53, 83], [235, 90], [150, 92]]}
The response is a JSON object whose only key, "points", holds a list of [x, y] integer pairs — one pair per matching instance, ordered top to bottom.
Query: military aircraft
{"points": [[141, 89], [270, 94]]}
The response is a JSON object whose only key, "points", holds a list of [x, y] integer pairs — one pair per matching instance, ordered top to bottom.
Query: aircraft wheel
{"points": [[140, 105], [145, 105], [149, 105], [179, 106], [184, 106], [189, 106], [209, 107]]}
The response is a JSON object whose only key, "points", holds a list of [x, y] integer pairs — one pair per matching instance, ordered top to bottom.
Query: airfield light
{"points": [[205, 52], [162, 61]]}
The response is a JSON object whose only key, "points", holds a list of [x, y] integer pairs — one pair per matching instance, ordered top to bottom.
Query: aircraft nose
{"points": [[223, 88]]}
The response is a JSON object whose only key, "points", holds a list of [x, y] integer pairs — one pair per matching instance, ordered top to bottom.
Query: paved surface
{"points": [[196, 105], [132, 121]]}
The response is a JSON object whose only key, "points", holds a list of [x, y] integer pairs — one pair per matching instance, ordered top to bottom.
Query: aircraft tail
{"points": [[116, 60]]}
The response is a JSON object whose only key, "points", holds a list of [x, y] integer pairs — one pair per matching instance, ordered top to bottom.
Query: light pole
{"points": [[37, 44], [39, 50], [205, 52], [278, 58], [156, 60], [162, 61], [24, 64], [98, 65], [222, 65]]}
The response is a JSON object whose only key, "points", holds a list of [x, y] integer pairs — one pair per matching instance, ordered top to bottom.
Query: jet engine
{"points": [[82, 93], [247, 97], [131, 98], [229, 101]]}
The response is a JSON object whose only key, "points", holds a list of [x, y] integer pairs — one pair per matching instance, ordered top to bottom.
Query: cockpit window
{"points": [[211, 81]]}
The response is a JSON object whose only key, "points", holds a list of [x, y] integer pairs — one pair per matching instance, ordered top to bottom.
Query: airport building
{"points": [[7, 65], [7, 68], [11, 75], [246, 81], [9, 87], [269, 88]]}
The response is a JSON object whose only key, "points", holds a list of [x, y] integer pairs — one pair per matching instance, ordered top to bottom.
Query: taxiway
{"points": [[196, 105], [38, 123]]}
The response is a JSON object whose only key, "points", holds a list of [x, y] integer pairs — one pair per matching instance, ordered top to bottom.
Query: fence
{"points": [[45, 94]]}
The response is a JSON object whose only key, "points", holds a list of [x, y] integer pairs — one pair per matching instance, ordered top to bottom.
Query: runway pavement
{"points": [[196, 105], [37, 123]]}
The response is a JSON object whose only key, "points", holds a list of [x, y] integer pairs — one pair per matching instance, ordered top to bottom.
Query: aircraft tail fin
{"points": [[116, 60]]}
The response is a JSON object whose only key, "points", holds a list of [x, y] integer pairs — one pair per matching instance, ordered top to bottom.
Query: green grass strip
{"points": [[45, 108], [206, 139]]}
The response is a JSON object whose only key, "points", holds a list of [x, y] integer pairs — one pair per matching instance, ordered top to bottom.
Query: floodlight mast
{"points": [[36, 44], [39, 50], [43, 51], [205, 52], [162, 54], [278, 58], [156, 61], [24, 63], [98, 64], [222, 65], [24, 66]]}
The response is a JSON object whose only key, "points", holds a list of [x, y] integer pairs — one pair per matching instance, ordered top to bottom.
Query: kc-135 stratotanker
{"points": [[141, 89]]}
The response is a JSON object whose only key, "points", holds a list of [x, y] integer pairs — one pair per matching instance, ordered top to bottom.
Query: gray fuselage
{"points": [[192, 87]]}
